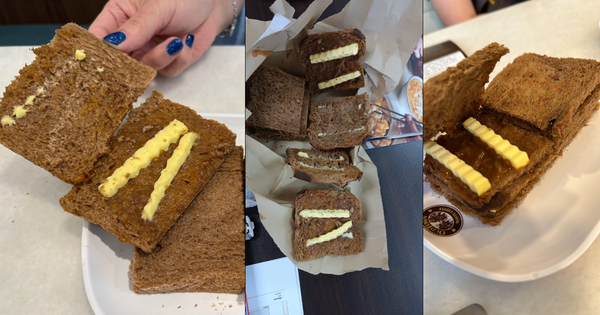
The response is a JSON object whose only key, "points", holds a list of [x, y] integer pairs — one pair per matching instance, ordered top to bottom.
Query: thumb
{"points": [[139, 29]]}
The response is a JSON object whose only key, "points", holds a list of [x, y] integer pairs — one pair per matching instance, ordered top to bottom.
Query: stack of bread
{"points": [[279, 112], [489, 147]]}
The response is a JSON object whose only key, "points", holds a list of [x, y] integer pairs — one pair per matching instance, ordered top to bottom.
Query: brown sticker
{"points": [[442, 220]]}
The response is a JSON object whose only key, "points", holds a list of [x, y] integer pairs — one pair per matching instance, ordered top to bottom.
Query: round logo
{"points": [[442, 220]]}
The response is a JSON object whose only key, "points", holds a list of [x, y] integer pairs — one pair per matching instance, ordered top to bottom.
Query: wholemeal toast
{"points": [[332, 55], [561, 87], [456, 94], [276, 100], [62, 109], [339, 124], [521, 126], [286, 136], [323, 166], [121, 214], [326, 224], [204, 250]]}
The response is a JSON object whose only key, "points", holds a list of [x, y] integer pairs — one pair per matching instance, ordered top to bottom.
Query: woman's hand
{"points": [[168, 35]]}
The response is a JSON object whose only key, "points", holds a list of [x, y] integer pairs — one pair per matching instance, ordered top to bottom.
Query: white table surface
{"points": [[554, 28], [40, 247]]}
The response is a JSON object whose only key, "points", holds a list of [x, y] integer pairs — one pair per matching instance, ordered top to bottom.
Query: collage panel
{"points": [[334, 157], [122, 160], [510, 167]]}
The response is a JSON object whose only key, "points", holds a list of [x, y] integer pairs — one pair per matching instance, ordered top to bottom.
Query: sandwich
{"points": [[330, 60], [279, 104], [62, 109], [343, 123], [500, 141], [157, 163], [323, 166], [326, 224], [204, 250]]}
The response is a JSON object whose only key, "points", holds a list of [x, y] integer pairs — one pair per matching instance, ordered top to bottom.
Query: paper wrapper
{"points": [[392, 29], [271, 180]]}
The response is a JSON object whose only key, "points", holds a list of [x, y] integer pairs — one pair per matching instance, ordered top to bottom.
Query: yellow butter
{"points": [[338, 53], [79, 54], [100, 70], [338, 80], [41, 90], [30, 100], [20, 111], [7, 121], [351, 130], [503, 147], [303, 154], [142, 158], [459, 168], [168, 173], [325, 213], [331, 235], [348, 235]]}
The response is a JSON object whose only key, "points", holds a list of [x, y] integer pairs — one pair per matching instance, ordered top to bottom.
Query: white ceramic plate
{"points": [[557, 221], [105, 264]]}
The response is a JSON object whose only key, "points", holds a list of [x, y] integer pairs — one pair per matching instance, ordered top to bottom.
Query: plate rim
{"points": [[524, 277]]}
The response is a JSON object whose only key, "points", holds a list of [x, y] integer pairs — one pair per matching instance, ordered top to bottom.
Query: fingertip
{"points": [[175, 46]]}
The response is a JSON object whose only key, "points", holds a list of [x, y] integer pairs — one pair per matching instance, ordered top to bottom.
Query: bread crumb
{"points": [[79, 54], [146, 128], [261, 217], [13, 221], [163, 305], [196, 305], [212, 305], [179, 306], [230, 306]]}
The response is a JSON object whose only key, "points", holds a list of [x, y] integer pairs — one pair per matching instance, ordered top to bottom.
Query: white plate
{"points": [[557, 221], [105, 264]]}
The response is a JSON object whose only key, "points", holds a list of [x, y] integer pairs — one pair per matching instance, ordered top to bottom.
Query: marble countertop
{"points": [[553, 28], [40, 244]]}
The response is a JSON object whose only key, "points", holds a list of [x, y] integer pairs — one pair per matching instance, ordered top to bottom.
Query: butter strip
{"points": [[338, 53], [339, 80], [20, 111], [7, 121], [321, 134], [503, 147], [305, 155], [142, 158], [322, 167], [459, 168], [168, 173], [324, 213], [331, 235]]}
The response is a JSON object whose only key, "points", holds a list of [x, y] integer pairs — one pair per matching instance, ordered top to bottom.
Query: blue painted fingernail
{"points": [[115, 38], [189, 40], [175, 46]]}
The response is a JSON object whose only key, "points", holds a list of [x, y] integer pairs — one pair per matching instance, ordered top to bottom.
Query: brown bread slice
{"points": [[318, 43], [325, 71], [543, 92], [457, 93], [275, 99], [341, 124], [69, 125], [284, 136], [323, 166], [326, 199], [121, 214], [315, 227], [338, 246], [204, 250]]}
